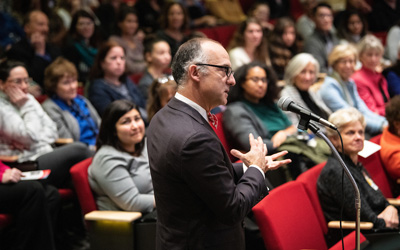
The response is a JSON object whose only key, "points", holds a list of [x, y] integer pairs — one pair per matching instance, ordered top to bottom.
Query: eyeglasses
{"points": [[228, 70], [257, 79], [27, 80]]}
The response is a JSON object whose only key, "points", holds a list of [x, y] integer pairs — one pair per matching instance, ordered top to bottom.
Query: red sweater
{"points": [[3, 168]]}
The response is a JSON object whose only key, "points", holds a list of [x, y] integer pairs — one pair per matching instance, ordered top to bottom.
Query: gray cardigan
{"points": [[239, 121], [67, 125], [121, 181]]}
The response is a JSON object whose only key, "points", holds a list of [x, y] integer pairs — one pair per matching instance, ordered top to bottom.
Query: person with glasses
{"points": [[323, 39], [339, 89], [252, 109], [74, 115], [28, 133], [202, 198]]}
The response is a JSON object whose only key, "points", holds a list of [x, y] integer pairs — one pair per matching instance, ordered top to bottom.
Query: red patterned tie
{"points": [[212, 119]]}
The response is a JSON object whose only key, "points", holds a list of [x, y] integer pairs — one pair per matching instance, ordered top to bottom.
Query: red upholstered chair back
{"points": [[221, 135], [375, 168], [79, 175], [309, 180], [287, 220]]}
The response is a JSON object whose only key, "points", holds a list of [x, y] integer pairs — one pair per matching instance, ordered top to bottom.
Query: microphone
{"points": [[286, 104]]}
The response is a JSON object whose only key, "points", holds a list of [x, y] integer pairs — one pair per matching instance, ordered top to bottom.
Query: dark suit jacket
{"points": [[23, 51], [201, 197]]}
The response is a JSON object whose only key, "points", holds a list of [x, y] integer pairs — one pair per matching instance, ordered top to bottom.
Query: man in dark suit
{"points": [[201, 197]]}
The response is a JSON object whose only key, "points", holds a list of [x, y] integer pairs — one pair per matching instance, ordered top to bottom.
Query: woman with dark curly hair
{"points": [[353, 27], [252, 109]]}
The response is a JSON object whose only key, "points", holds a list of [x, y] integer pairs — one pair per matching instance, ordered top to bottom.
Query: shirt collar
{"points": [[192, 104]]}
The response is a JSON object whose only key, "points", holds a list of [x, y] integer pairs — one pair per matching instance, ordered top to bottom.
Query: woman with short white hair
{"points": [[300, 74]]}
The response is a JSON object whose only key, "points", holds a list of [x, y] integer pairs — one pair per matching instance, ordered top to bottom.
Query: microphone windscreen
{"points": [[284, 102]]}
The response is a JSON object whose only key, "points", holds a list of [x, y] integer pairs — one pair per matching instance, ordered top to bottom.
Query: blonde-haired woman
{"points": [[300, 74], [371, 84], [339, 89]]}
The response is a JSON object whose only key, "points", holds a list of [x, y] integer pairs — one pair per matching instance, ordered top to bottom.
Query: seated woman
{"points": [[174, 24], [352, 27], [128, 37], [248, 44], [283, 44], [81, 46], [157, 54], [300, 74], [109, 81], [371, 84], [339, 90], [160, 92], [252, 108], [74, 115], [28, 132], [390, 140], [120, 173], [34, 208], [375, 208]]}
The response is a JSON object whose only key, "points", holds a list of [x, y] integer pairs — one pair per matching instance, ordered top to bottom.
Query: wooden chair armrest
{"points": [[62, 141], [8, 158], [394, 201], [121, 216], [350, 225]]}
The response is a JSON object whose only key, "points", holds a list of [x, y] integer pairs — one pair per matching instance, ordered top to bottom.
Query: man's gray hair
{"points": [[191, 52]]}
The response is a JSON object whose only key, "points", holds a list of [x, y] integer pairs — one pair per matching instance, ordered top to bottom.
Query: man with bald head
{"points": [[34, 50], [201, 197]]}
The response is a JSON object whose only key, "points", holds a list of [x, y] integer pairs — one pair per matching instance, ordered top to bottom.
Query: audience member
{"points": [[360, 6], [279, 8], [65, 9], [230, 11], [261, 12], [148, 13], [107, 14], [198, 14], [384, 14], [174, 22], [305, 24], [352, 27], [10, 33], [128, 37], [323, 39], [392, 43], [248, 44], [283, 44], [81, 47], [33, 50], [157, 54], [300, 74], [392, 75], [109, 81], [371, 84], [339, 90], [160, 92], [252, 109], [73, 114], [28, 132], [390, 140], [120, 174], [335, 191], [34, 208]]}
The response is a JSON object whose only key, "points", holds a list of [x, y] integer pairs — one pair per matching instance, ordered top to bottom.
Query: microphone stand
{"points": [[303, 125]]}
